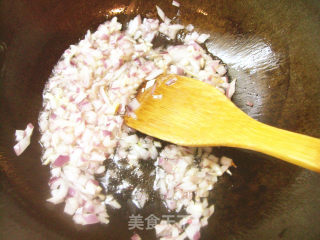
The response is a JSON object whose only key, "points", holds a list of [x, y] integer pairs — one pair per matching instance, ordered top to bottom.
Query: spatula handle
{"points": [[292, 147]]}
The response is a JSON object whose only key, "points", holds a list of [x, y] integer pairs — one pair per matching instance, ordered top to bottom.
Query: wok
{"points": [[272, 47]]}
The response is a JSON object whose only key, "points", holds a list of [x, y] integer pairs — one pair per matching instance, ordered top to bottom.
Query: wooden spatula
{"points": [[188, 112]]}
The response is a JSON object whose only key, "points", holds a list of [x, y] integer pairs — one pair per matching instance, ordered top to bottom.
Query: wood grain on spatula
{"points": [[188, 112]]}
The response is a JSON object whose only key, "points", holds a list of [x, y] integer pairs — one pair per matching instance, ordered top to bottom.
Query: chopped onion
{"points": [[175, 3], [161, 13], [133, 25], [189, 27], [202, 38], [221, 70], [155, 73], [171, 81], [150, 84], [91, 88], [231, 89], [157, 96], [249, 103], [134, 104], [19, 135], [23, 139], [61, 160], [59, 191], [139, 197], [112, 202], [71, 206], [90, 218], [135, 237]]}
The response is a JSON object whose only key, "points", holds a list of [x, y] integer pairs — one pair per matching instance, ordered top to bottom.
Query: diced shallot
{"points": [[175, 3], [160, 13], [189, 27], [203, 37], [171, 81], [92, 86], [231, 89], [134, 104], [23, 139], [61, 160], [90, 218], [135, 237]]}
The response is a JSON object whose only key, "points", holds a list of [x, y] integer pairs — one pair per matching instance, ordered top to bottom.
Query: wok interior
{"points": [[271, 47]]}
